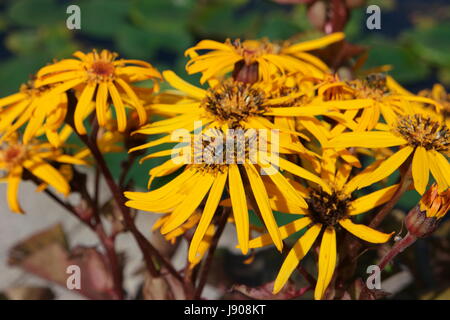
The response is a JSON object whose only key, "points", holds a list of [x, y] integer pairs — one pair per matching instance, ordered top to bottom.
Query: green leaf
{"points": [[36, 13], [102, 18], [278, 26], [135, 43], [432, 44], [407, 68], [18, 70]]}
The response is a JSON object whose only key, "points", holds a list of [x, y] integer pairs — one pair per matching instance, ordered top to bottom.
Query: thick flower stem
{"points": [[214, 242], [401, 245]]}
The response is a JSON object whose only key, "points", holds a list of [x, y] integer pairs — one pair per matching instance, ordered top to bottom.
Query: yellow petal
{"points": [[315, 44], [209, 45], [183, 86], [12, 99], [101, 103], [82, 107], [121, 114], [142, 114], [34, 125], [369, 139], [69, 159], [443, 163], [387, 167], [420, 169], [438, 171], [303, 173], [48, 174], [14, 178], [168, 188], [288, 190], [262, 199], [372, 200], [239, 204], [188, 206], [208, 212], [285, 231], [364, 232], [298, 251], [327, 262]]}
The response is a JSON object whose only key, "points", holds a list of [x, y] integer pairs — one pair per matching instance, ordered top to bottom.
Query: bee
{"points": [[377, 81]]}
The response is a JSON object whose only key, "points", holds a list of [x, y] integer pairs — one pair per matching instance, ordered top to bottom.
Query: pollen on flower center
{"points": [[101, 70], [234, 101], [422, 131], [214, 149], [12, 154], [327, 209]]}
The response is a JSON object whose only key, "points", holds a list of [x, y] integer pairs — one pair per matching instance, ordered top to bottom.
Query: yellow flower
{"points": [[254, 60], [96, 77], [438, 94], [368, 99], [231, 104], [43, 113], [423, 140], [17, 159], [207, 178], [434, 203], [328, 210], [424, 219]]}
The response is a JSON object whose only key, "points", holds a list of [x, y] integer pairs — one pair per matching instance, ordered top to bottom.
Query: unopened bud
{"points": [[247, 73], [424, 218]]}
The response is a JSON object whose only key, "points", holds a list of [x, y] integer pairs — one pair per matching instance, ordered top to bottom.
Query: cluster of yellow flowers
{"points": [[311, 169]]}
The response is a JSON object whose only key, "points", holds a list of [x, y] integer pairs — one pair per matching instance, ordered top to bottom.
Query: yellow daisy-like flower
{"points": [[255, 60], [99, 78], [439, 94], [368, 99], [230, 104], [43, 113], [423, 140], [33, 158], [208, 173], [328, 211]]}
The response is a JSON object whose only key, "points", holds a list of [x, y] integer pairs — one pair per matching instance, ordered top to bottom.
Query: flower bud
{"points": [[246, 73], [424, 218]]}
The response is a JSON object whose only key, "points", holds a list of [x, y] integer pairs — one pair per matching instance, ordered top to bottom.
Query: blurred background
{"points": [[414, 39]]}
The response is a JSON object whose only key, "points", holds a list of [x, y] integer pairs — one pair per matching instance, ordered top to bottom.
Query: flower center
{"points": [[101, 70], [234, 102], [421, 131], [214, 149], [12, 154], [327, 209]]}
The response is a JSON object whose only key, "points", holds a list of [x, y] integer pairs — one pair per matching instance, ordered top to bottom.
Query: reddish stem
{"points": [[401, 245]]}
